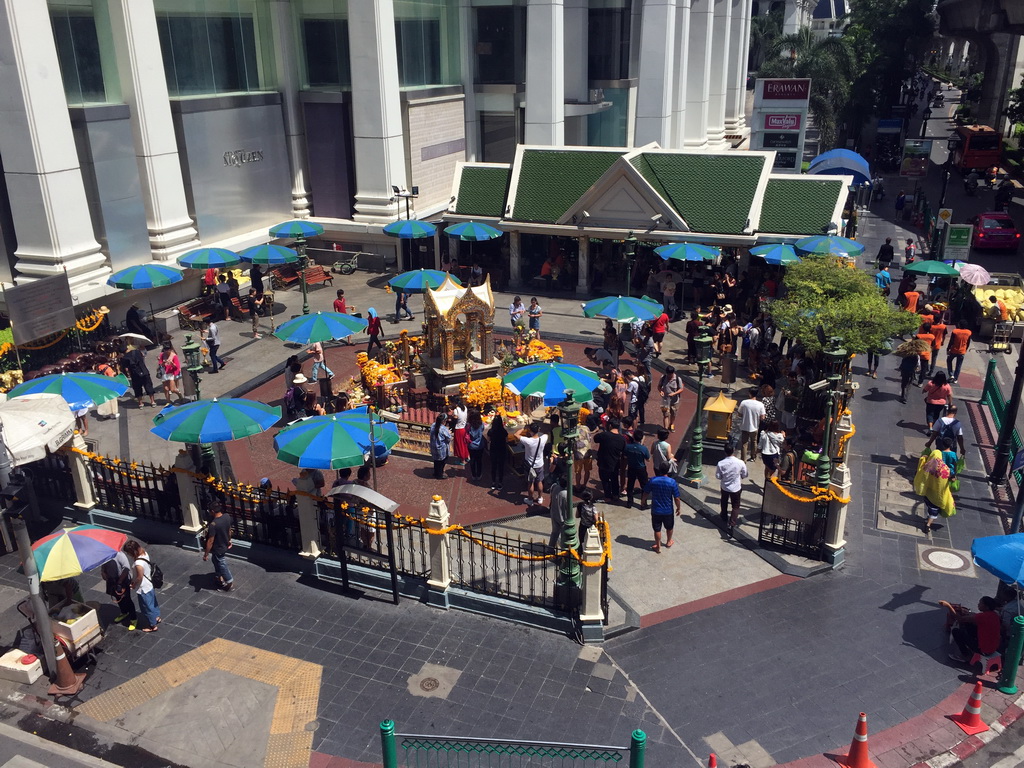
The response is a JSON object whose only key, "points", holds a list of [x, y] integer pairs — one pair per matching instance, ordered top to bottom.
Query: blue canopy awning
{"points": [[842, 161]]}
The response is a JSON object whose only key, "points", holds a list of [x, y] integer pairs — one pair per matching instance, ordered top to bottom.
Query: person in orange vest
{"points": [[908, 300], [997, 310], [939, 332], [925, 335], [959, 341]]}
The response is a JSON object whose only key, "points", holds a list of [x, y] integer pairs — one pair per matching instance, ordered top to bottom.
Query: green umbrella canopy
{"points": [[932, 268], [323, 326], [214, 421], [333, 441]]}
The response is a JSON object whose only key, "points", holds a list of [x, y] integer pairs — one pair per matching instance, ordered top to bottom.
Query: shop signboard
{"points": [[779, 121], [958, 242], [40, 308]]}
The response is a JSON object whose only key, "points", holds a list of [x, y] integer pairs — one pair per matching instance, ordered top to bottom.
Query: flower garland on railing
{"points": [[87, 324], [56, 340], [844, 438], [118, 466], [820, 494]]}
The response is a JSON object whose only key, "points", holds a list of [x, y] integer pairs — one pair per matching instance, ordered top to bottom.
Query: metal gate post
{"points": [[637, 749], [389, 753]]}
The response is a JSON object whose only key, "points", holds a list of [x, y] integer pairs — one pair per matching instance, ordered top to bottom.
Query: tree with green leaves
{"points": [[765, 34], [1015, 104], [825, 291]]}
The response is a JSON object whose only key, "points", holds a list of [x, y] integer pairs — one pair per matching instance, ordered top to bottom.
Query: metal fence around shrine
{"points": [[51, 477], [136, 489], [261, 515], [363, 532], [804, 538]]}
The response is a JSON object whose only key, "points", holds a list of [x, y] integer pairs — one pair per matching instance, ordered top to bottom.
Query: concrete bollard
{"points": [[85, 500], [306, 508], [191, 514], [835, 527], [440, 553], [591, 610]]}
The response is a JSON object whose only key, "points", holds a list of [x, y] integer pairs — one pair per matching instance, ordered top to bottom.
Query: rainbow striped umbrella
{"points": [[74, 551]]}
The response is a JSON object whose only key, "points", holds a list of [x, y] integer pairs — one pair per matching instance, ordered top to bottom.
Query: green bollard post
{"points": [[1011, 658], [637, 749], [388, 751]]}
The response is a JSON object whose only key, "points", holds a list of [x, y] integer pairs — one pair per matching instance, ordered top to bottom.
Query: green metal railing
{"points": [[993, 397], [446, 752]]}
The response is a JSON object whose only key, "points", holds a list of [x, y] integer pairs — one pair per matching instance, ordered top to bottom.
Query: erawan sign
{"points": [[788, 89], [780, 120], [236, 158]]}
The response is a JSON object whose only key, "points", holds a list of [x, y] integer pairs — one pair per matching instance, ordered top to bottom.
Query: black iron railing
{"points": [[51, 477], [136, 489], [261, 515], [364, 528]]}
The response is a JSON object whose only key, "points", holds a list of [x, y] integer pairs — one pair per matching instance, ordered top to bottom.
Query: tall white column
{"points": [[792, 18], [467, 52], [721, 52], [287, 61], [140, 69], [680, 71], [545, 73], [698, 73], [577, 83], [736, 93], [654, 99], [376, 110], [41, 169], [515, 245], [583, 267]]}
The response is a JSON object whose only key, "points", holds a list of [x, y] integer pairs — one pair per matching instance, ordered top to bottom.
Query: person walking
{"points": [[885, 256], [256, 279], [883, 280], [254, 303], [402, 305], [341, 306], [534, 312], [659, 327], [374, 330], [211, 335], [938, 339], [959, 342], [319, 361], [133, 363], [168, 367], [907, 367], [671, 388], [938, 396], [752, 413], [948, 426], [475, 433], [497, 443], [440, 444], [770, 445], [610, 447], [661, 453], [637, 455], [583, 456], [533, 459], [730, 472], [932, 483], [664, 493], [218, 542], [117, 573], [142, 583]]}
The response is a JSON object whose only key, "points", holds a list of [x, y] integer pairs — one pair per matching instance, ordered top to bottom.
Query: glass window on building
{"points": [[427, 37], [323, 39], [608, 43], [500, 44], [219, 46], [85, 50], [610, 128], [497, 137]]}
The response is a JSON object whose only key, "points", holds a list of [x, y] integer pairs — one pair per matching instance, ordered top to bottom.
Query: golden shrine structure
{"points": [[459, 334]]}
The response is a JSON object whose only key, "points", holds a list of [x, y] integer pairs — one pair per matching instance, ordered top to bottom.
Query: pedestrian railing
{"points": [[992, 396], [51, 477], [135, 488], [261, 515], [361, 527], [423, 751]]}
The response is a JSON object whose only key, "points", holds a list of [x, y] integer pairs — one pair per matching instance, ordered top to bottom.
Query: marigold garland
{"points": [[820, 494]]}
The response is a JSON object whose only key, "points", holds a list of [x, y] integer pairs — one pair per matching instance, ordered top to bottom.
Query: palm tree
{"points": [[765, 34], [831, 66]]}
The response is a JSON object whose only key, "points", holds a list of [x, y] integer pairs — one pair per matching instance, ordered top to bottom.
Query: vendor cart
{"points": [[75, 626]]}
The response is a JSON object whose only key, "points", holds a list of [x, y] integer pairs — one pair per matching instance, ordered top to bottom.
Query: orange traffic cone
{"points": [[68, 682], [969, 720], [858, 757], [712, 761]]}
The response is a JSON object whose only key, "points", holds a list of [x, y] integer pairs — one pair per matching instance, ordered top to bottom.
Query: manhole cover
{"points": [[946, 560], [429, 684], [312, 725]]}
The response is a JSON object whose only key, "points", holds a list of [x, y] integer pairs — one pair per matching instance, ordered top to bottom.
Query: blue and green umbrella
{"points": [[297, 229], [410, 229], [473, 231], [829, 245], [687, 252], [777, 253], [269, 254], [204, 258], [145, 276], [418, 280], [623, 309], [323, 326], [552, 381], [79, 390], [214, 421], [334, 441]]}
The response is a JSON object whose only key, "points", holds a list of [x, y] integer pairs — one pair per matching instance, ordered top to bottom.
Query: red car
{"points": [[995, 230]]}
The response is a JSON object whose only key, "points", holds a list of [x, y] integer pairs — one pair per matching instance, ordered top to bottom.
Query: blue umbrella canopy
{"points": [[841, 162], [296, 228], [410, 229], [471, 230], [829, 245], [687, 252], [778, 253], [269, 254], [204, 258], [145, 276], [418, 280], [623, 309], [323, 326], [551, 381], [79, 390], [214, 421], [333, 441], [1002, 556]]}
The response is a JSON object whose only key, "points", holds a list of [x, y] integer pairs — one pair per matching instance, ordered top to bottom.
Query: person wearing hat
{"points": [[295, 397]]}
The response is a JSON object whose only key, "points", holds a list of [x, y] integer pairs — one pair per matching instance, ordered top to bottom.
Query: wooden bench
{"points": [[317, 274], [283, 276], [238, 307], [192, 313]]}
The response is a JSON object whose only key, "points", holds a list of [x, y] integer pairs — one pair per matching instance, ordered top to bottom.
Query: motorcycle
{"points": [[939, 101], [971, 185]]}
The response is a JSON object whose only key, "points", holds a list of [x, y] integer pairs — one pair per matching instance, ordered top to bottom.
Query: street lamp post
{"points": [[400, 192], [300, 247], [629, 255], [193, 361], [695, 466], [569, 577]]}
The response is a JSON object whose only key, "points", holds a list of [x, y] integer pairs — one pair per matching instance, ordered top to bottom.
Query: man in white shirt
{"points": [[517, 312], [751, 413], [533, 459], [730, 473]]}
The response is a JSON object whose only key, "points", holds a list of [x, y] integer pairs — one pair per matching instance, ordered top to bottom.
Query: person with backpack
{"points": [[133, 363], [671, 387], [948, 426], [661, 454], [586, 513], [218, 542], [117, 573], [144, 583]]}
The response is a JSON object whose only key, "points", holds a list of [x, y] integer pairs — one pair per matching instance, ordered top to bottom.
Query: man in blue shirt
{"points": [[883, 280], [664, 493]]}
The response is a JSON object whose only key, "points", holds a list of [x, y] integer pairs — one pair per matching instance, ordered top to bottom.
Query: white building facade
{"points": [[134, 130]]}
